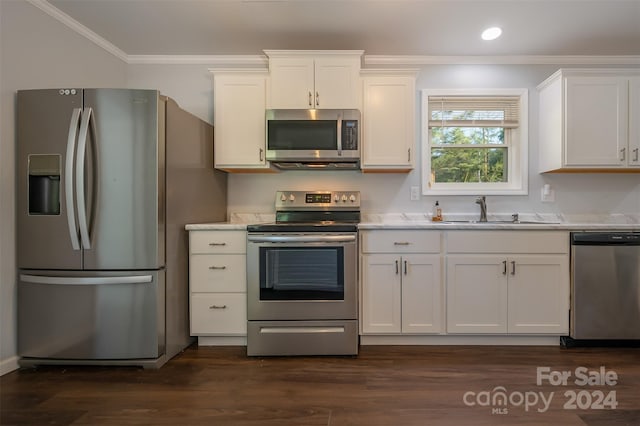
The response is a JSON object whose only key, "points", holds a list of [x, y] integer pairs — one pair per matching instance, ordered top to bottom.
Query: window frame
{"points": [[517, 159]]}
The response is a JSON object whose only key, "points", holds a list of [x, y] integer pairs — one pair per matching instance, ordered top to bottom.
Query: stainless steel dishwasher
{"points": [[605, 285]]}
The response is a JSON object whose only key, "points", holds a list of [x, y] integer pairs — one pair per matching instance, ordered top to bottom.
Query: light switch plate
{"points": [[415, 193]]}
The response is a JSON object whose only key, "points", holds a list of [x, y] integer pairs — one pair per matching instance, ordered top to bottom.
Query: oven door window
{"points": [[295, 273]]}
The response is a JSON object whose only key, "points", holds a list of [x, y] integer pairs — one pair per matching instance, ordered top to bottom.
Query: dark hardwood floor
{"points": [[384, 385]]}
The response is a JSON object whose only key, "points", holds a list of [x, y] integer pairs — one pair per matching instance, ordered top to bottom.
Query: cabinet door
{"points": [[291, 83], [337, 83], [596, 121], [239, 130], [388, 134], [633, 157], [421, 294], [476, 294], [538, 294], [381, 310]]}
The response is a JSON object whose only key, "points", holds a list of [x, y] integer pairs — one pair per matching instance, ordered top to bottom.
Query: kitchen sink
{"points": [[500, 222]]}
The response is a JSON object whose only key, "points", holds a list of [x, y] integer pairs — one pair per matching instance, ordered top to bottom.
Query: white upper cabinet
{"points": [[314, 79], [239, 119], [388, 120], [589, 121]]}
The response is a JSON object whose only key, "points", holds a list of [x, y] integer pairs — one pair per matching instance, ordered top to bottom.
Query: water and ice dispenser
{"points": [[44, 184]]}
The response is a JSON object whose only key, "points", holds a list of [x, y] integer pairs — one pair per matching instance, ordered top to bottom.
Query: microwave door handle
{"points": [[339, 135], [68, 181]]}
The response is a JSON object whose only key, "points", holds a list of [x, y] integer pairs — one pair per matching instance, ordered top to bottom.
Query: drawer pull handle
{"points": [[401, 243], [217, 244], [217, 267], [396, 267], [405, 267], [504, 267], [513, 267], [218, 307]]}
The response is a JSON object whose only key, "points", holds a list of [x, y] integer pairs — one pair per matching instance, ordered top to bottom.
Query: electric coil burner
{"points": [[302, 276]]}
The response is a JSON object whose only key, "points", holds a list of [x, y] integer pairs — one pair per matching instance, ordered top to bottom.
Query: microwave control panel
{"points": [[350, 135]]}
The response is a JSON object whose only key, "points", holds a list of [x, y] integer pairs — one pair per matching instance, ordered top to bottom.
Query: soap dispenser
{"points": [[437, 213]]}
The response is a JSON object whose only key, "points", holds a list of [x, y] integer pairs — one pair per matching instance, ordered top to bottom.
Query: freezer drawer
{"points": [[106, 316]]}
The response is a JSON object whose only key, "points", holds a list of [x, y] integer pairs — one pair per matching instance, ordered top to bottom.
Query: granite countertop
{"points": [[237, 221], [528, 221]]}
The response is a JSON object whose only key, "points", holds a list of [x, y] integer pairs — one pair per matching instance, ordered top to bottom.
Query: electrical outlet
{"points": [[415, 193], [547, 194]]}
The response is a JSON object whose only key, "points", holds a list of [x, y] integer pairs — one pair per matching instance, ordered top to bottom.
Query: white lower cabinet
{"points": [[401, 282], [514, 282], [218, 283]]}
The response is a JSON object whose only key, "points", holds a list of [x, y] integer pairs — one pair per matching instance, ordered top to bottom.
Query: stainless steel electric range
{"points": [[302, 276]]}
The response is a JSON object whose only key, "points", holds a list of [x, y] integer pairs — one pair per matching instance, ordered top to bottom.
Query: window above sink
{"points": [[475, 141]]}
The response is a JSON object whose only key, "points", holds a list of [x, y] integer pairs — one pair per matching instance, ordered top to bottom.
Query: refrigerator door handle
{"points": [[87, 121], [68, 181], [40, 279]]}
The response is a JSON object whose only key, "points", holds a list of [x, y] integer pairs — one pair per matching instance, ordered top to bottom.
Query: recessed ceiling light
{"points": [[491, 33]]}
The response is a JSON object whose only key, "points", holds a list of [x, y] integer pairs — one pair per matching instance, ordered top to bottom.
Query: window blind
{"points": [[474, 111]]}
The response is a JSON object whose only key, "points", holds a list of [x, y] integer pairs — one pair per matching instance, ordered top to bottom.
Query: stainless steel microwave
{"points": [[313, 138]]}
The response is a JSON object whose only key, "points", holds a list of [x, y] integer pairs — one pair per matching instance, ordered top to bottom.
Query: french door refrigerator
{"points": [[107, 179]]}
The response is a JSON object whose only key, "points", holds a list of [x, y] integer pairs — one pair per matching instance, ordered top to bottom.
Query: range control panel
{"points": [[317, 200]]}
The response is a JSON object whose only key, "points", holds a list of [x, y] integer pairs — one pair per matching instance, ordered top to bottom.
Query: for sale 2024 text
{"points": [[583, 399]]}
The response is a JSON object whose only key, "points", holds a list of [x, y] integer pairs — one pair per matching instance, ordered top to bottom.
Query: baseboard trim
{"points": [[480, 340], [222, 341], [8, 365]]}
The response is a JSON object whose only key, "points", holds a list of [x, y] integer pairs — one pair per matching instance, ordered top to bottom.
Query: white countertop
{"points": [[239, 221]]}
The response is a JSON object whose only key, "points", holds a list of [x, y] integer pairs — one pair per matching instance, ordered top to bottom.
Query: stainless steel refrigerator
{"points": [[107, 179]]}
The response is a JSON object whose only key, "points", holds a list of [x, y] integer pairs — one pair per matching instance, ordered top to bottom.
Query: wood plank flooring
{"points": [[384, 385]]}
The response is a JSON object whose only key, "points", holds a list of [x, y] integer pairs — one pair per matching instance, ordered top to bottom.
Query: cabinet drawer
{"points": [[401, 241], [218, 242], [507, 242], [225, 273], [218, 314]]}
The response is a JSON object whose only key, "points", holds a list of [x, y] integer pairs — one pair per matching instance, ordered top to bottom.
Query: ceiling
{"points": [[379, 27]]}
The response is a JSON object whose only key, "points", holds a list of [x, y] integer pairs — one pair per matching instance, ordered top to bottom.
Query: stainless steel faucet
{"points": [[483, 208]]}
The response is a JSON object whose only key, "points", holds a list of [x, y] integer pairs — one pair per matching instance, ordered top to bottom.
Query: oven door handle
{"points": [[301, 238]]}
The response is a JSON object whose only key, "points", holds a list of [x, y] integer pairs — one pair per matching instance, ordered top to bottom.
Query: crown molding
{"points": [[76, 26], [213, 60], [397, 60]]}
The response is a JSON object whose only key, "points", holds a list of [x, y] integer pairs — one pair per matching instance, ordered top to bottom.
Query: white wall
{"points": [[36, 51], [191, 86]]}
